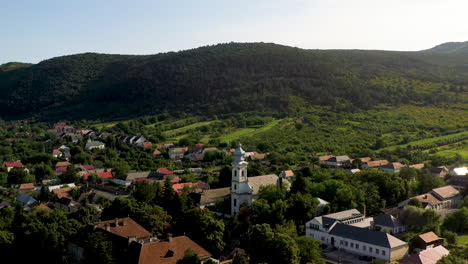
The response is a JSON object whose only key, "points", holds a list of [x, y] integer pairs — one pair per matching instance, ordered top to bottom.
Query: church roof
{"points": [[257, 181]]}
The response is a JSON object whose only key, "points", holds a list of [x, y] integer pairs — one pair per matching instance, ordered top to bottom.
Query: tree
{"points": [[42, 171], [19, 175], [225, 175], [69, 176], [3, 178], [145, 192], [44, 194], [415, 202], [301, 208], [421, 220], [457, 222], [204, 228], [450, 237], [268, 246], [98, 250], [309, 250], [190, 257], [239, 259]]}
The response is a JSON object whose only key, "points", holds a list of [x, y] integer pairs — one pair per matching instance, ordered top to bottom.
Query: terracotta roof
{"points": [[147, 144], [56, 152], [156, 152], [326, 157], [365, 159], [13, 163], [376, 163], [63, 164], [394, 166], [417, 166], [89, 167], [61, 168], [164, 171], [288, 173], [104, 175], [257, 181], [26, 186], [179, 187], [62, 192], [446, 192], [43, 206], [126, 228], [429, 237], [168, 252], [428, 256]]}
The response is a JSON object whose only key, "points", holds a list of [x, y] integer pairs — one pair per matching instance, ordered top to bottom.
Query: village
{"points": [[347, 236]]}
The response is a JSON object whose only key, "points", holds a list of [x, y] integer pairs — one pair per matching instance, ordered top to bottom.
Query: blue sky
{"points": [[34, 30]]}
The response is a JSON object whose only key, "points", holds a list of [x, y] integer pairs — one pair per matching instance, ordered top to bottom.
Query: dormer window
{"points": [[235, 173], [242, 173], [235, 186]]}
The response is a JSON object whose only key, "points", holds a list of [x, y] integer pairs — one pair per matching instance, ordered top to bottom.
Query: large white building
{"points": [[244, 190], [348, 231]]}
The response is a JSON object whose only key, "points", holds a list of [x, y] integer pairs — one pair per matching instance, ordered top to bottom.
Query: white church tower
{"points": [[241, 191]]}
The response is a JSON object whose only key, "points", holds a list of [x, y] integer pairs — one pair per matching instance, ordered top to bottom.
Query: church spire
{"points": [[239, 154]]}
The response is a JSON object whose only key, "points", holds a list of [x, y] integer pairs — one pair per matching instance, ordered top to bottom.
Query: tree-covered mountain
{"points": [[228, 78]]}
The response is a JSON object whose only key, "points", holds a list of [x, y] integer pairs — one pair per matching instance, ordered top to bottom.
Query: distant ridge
{"points": [[450, 48]]}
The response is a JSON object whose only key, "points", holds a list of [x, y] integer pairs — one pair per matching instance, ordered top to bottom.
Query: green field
{"points": [[184, 129], [250, 131], [428, 140], [462, 240]]}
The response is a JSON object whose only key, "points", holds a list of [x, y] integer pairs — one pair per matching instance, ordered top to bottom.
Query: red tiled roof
{"points": [[147, 144], [156, 152], [326, 157], [13, 163], [376, 163], [62, 164], [394, 166], [417, 166], [89, 167], [61, 169], [164, 171], [288, 173], [104, 175], [26, 186], [62, 192], [428, 198], [43, 206], [126, 228], [429, 237], [169, 252], [428, 256]]}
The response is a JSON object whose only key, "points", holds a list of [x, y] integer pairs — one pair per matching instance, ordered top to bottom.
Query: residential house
{"points": [[138, 141], [145, 144], [94, 145], [197, 148], [156, 153], [177, 153], [323, 159], [339, 162], [12, 164], [63, 164], [374, 164], [418, 166], [392, 167], [439, 171], [460, 171], [162, 172], [287, 174], [106, 175], [130, 177], [191, 186], [26, 187], [62, 192], [438, 199], [25, 200], [67, 204], [321, 206], [325, 222], [388, 223], [427, 240], [360, 241], [165, 252], [428, 256]]}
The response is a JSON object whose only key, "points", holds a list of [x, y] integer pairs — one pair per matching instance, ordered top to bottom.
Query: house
{"points": [[139, 140], [144, 144], [94, 145], [198, 148], [56, 153], [156, 153], [177, 153], [323, 159], [339, 162], [11, 164], [63, 164], [374, 164], [418, 166], [392, 167], [60, 170], [354, 171], [439, 171], [460, 171], [162, 172], [287, 174], [106, 175], [128, 178], [26, 187], [54, 187], [193, 187], [62, 192], [210, 197], [25, 199], [438, 199], [4, 204], [67, 204], [321, 206], [325, 222], [388, 223], [122, 232], [428, 240], [361, 241], [165, 252], [428, 256]]}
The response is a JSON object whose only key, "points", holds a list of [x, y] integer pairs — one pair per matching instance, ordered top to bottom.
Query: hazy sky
{"points": [[34, 30]]}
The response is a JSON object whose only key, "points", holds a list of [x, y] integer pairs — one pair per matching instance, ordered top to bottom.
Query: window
{"points": [[235, 173], [242, 173], [235, 186], [235, 202], [323, 238], [341, 242], [346, 243], [352, 244], [357, 246], [363, 247], [370, 249], [377, 251], [383, 252]]}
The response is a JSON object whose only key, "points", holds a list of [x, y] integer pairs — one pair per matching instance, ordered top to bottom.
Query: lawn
{"points": [[183, 129], [250, 131], [463, 135], [462, 240]]}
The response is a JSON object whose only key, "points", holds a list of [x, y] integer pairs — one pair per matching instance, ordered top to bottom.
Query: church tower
{"points": [[241, 191]]}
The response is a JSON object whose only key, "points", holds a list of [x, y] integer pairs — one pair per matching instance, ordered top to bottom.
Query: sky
{"points": [[35, 30]]}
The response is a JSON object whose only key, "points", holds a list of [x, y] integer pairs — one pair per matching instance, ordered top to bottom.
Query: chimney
{"points": [[364, 210], [116, 221], [124, 221], [108, 227], [169, 237]]}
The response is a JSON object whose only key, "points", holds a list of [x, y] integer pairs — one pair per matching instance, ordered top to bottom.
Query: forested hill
{"points": [[228, 78]]}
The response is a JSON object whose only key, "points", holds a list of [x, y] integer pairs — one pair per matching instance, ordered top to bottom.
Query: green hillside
{"points": [[229, 78]]}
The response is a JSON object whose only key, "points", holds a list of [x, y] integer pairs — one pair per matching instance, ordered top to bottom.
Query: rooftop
{"points": [[446, 191], [125, 228], [367, 236], [429, 237]]}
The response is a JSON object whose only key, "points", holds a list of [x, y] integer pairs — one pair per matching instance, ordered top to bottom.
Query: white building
{"points": [[244, 190]]}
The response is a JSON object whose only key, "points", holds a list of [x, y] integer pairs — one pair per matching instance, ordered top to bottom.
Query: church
{"points": [[243, 190]]}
